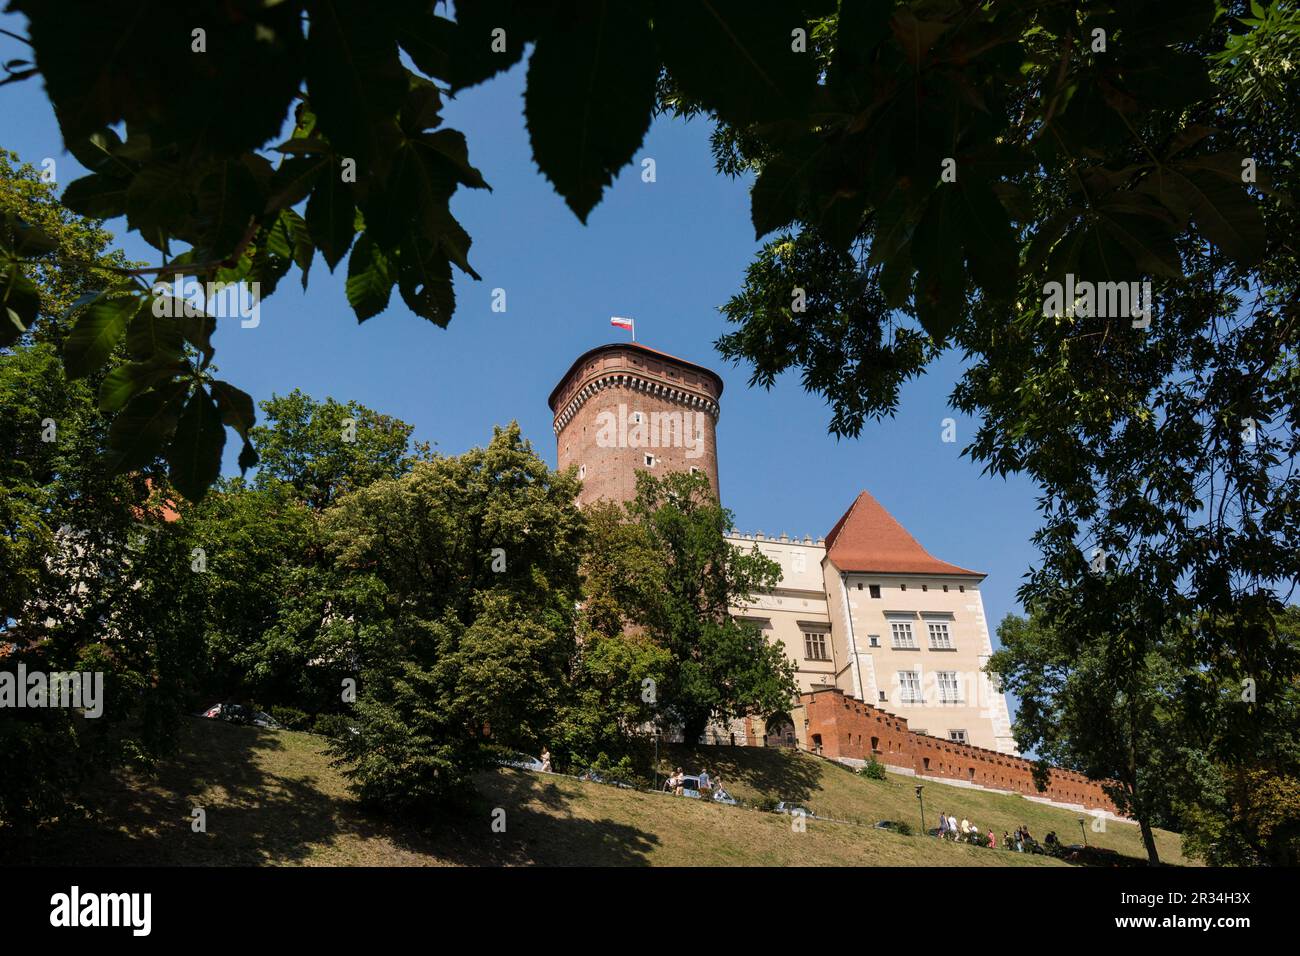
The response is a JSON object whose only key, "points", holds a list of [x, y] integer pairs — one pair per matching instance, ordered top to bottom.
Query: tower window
{"points": [[649, 461]]}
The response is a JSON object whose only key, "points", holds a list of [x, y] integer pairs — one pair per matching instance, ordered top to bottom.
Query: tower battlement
{"points": [[624, 407]]}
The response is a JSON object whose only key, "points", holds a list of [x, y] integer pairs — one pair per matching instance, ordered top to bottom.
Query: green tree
{"points": [[326, 449], [669, 572], [465, 576], [94, 579], [1095, 708], [1210, 753]]}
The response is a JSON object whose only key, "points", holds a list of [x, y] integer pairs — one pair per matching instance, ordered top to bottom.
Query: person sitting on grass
{"points": [[965, 830]]}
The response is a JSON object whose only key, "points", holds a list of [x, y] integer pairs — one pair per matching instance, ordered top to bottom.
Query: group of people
{"points": [[676, 782], [967, 832]]}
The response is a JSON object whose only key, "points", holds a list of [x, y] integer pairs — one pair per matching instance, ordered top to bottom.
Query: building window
{"points": [[635, 418], [649, 461], [694, 470], [582, 471], [859, 585], [902, 587], [925, 587], [961, 588], [945, 589], [875, 590], [902, 634], [940, 639], [873, 640], [814, 645], [909, 683], [949, 687], [883, 698], [958, 736]]}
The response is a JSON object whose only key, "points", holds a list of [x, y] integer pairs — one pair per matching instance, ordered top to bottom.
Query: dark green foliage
{"points": [[668, 572], [460, 647], [874, 770]]}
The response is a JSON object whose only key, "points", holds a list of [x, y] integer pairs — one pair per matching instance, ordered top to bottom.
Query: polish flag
{"points": [[621, 322]]}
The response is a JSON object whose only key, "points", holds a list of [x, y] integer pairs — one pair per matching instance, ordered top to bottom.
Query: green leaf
{"points": [[916, 37], [735, 57], [355, 80], [589, 98], [448, 145], [294, 178], [782, 187], [97, 196], [229, 197], [158, 200], [1223, 212], [331, 217], [370, 279], [424, 281], [19, 294], [197, 330], [96, 334], [151, 336], [128, 380], [236, 407], [140, 430], [194, 457]]}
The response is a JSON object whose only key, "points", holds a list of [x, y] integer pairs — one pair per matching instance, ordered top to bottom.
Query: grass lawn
{"points": [[271, 797]]}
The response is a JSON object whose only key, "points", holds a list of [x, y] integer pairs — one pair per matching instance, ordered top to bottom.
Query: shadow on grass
{"points": [[777, 773], [287, 815]]}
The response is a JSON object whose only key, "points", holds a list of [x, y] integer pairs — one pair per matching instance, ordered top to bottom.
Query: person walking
{"points": [[546, 760]]}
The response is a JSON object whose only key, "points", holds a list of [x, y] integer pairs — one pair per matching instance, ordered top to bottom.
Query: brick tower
{"points": [[624, 407]]}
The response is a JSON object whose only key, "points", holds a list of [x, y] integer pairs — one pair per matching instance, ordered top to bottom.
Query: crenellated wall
{"points": [[839, 726]]}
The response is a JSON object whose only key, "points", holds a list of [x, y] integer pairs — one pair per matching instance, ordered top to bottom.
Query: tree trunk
{"points": [[693, 729], [1149, 839]]}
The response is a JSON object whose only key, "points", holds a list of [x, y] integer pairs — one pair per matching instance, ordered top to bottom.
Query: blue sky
{"points": [[667, 253]]}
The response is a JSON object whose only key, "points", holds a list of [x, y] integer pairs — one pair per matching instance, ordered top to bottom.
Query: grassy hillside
{"points": [[831, 790], [272, 798]]}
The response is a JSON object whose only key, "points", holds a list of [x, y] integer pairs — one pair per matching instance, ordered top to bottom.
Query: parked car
{"points": [[240, 714], [521, 761], [721, 796]]}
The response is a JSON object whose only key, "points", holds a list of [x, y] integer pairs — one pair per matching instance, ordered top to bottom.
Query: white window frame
{"points": [[650, 461], [897, 627], [934, 628], [903, 687], [948, 694], [963, 739]]}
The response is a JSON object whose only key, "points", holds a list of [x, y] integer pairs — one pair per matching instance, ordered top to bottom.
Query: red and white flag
{"points": [[622, 323]]}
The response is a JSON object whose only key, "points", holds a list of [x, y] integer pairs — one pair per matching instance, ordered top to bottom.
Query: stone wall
{"points": [[842, 727]]}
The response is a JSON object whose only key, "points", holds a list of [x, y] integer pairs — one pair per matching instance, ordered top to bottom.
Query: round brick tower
{"points": [[624, 407]]}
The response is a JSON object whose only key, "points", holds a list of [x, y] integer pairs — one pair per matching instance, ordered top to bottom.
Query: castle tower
{"points": [[624, 407]]}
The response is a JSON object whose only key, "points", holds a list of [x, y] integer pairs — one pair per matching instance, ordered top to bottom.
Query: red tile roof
{"points": [[868, 538]]}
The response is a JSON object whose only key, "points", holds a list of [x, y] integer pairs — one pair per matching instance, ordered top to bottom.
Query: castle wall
{"points": [[843, 728]]}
